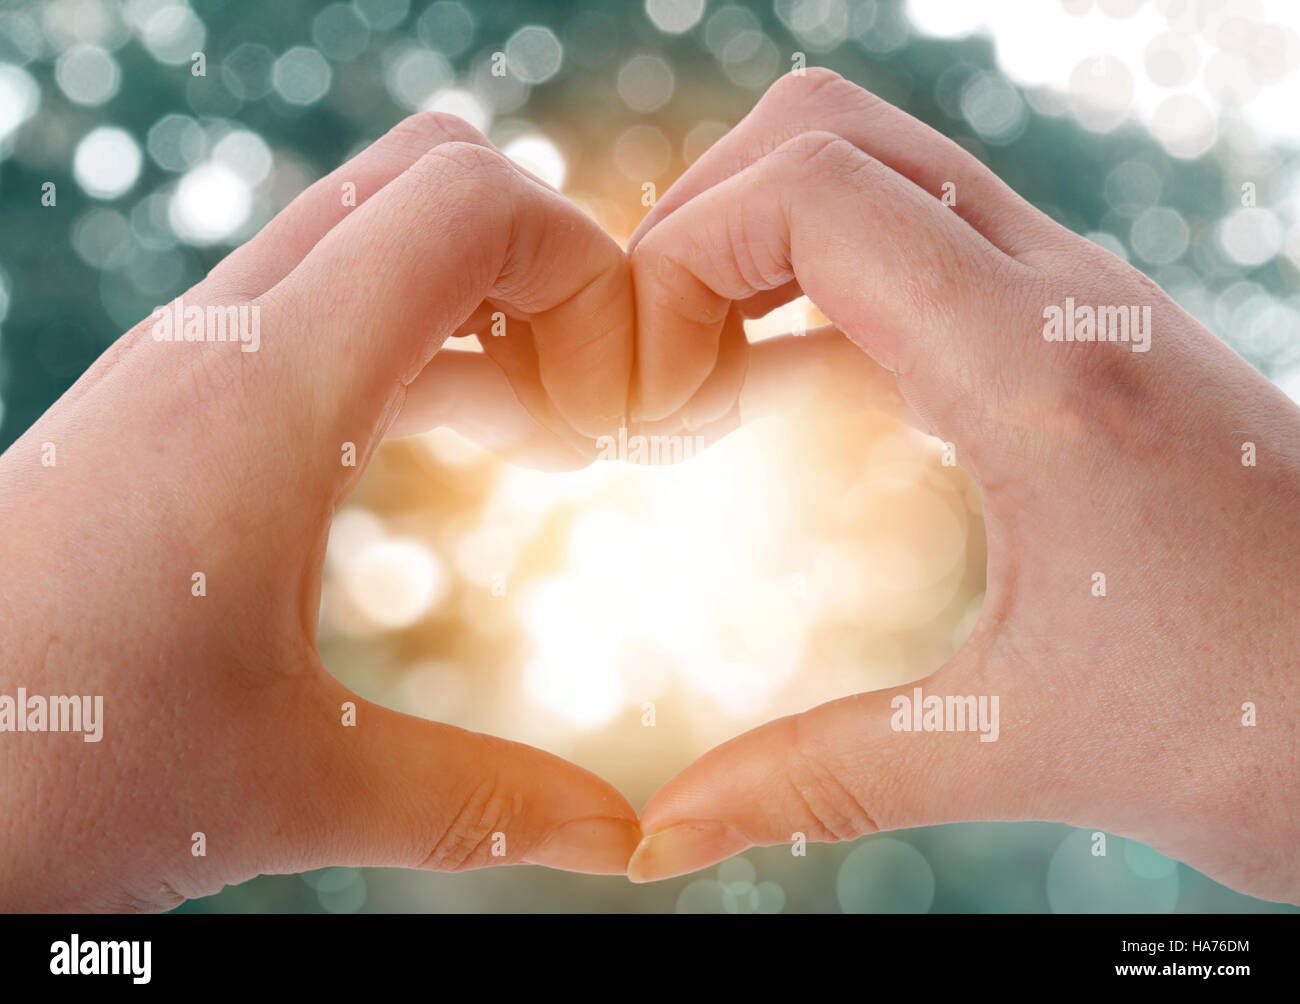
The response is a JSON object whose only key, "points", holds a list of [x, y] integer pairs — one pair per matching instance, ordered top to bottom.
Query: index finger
{"points": [[820, 100], [371, 303]]}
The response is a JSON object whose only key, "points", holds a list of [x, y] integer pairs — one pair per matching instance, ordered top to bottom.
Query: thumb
{"points": [[836, 772], [393, 790]]}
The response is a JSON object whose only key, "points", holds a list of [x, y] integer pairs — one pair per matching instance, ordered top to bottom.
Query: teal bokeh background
{"points": [[75, 274]]}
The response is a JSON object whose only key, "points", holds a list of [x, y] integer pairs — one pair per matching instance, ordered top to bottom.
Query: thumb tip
{"points": [[683, 848]]}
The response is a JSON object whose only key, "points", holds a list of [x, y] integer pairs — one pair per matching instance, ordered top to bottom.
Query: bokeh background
{"points": [[804, 558]]}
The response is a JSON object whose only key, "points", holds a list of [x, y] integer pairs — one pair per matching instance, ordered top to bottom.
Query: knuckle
{"points": [[795, 88], [425, 130], [829, 157], [457, 160], [830, 806], [467, 840]]}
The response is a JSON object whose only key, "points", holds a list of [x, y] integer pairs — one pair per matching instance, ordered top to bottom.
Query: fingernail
{"points": [[597, 846], [683, 848]]}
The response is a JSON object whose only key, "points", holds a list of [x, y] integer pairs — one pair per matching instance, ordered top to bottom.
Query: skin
{"points": [[181, 457], [172, 458], [1090, 459], [1121, 712]]}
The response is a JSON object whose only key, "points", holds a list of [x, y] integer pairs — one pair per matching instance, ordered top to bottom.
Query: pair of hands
{"points": [[1121, 712]]}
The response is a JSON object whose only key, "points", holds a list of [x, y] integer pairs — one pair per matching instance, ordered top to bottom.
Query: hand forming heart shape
{"points": [[1118, 710]]}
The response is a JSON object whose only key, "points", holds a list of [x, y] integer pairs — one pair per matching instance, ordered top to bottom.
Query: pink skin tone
{"points": [[176, 458], [1121, 713]]}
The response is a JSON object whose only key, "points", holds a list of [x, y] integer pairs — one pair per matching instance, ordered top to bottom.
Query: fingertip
{"points": [[593, 846], [683, 848]]}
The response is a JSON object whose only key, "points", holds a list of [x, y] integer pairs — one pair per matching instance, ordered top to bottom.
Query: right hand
{"points": [[1123, 712]]}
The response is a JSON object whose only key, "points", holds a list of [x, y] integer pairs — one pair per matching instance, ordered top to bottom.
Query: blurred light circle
{"points": [[1078, 8], [1120, 8], [383, 15], [1183, 15], [674, 16], [943, 19], [1227, 23], [733, 24], [821, 25], [447, 26], [880, 29], [171, 32], [340, 32], [20, 38], [1273, 52], [534, 54], [1171, 59], [757, 67], [246, 72], [87, 74], [301, 75], [416, 75], [1229, 80], [645, 83], [949, 85], [1101, 91], [504, 94], [19, 97], [461, 103], [994, 108], [1183, 125], [701, 137], [176, 142], [245, 153], [642, 153], [538, 154], [107, 162], [1132, 186], [211, 202], [149, 223], [1159, 235], [1250, 236], [102, 238], [1110, 242], [155, 274], [1236, 302], [1260, 329], [1274, 335], [452, 449], [352, 529], [916, 538], [483, 553], [394, 582], [568, 683], [434, 689], [1146, 862], [737, 872], [884, 875], [1080, 882], [341, 890], [701, 896], [741, 898], [770, 898]]}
